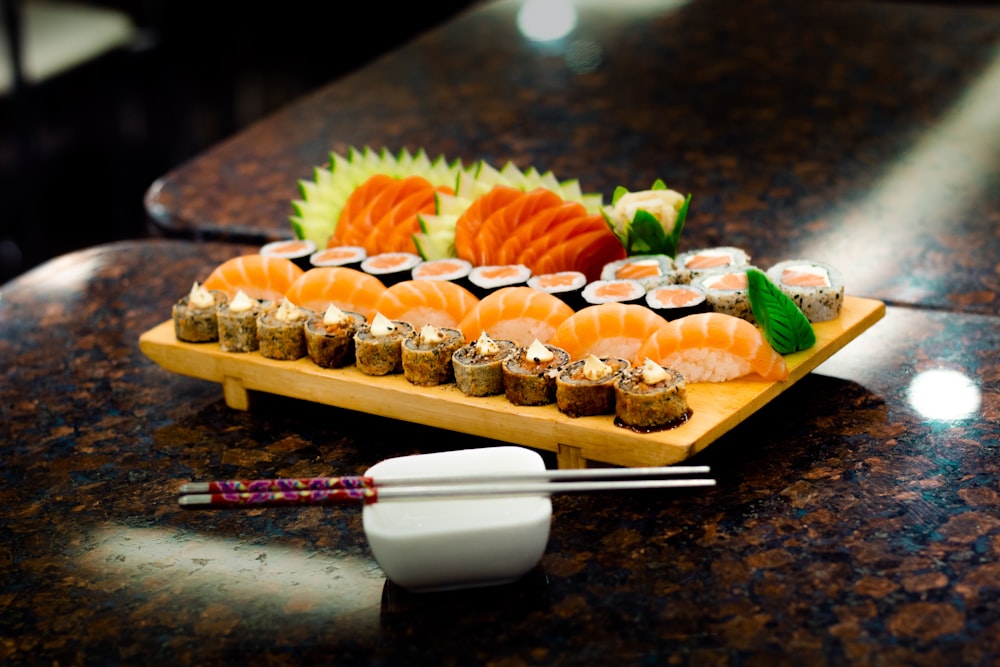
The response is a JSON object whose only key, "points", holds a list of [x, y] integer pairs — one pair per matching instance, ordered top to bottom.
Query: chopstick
{"points": [[361, 489]]}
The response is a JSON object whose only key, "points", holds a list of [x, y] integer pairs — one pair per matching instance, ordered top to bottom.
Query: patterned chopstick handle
{"points": [[291, 484], [282, 498]]}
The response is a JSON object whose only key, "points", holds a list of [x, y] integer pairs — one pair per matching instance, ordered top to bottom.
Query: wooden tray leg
{"points": [[236, 394], [569, 456]]}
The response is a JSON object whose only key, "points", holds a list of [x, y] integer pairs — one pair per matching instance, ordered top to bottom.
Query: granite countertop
{"points": [[862, 134], [855, 518]]}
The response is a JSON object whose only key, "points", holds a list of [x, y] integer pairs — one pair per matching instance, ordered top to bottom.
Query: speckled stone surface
{"points": [[863, 134], [856, 519]]}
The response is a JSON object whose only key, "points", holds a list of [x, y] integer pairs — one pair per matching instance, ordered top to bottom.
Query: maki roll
{"points": [[297, 250], [349, 256], [690, 265], [391, 267], [452, 269], [647, 269], [486, 279], [567, 285], [816, 288], [618, 290], [726, 292], [674, 301], [195, 315], [238, 323], [282, 331], [330, 337], [378, 347], [426, 355], [479, 365], [529, 374], [587, 387], [650, 397]]}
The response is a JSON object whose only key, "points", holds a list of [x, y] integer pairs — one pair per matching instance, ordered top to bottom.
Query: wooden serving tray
{"points": [[716, 407]]}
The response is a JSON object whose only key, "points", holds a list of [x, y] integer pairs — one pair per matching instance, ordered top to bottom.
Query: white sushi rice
{"points": [[707, 365]]}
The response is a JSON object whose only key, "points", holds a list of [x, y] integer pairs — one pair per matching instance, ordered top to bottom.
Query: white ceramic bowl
{"points": [[441, 544]]}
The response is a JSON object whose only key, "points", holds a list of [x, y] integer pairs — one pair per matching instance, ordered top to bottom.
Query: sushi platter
{"points": [[716, 407]]}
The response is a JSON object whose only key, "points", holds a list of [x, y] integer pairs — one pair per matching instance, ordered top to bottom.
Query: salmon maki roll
{"points": [[297, 250], [349, 257], [692, 264], [391, 267], [647, 269], [487, 279], [567, 285], [816, 288], [616, 290], [726, 291], [675, 301], [195, 315], [238, 323], [282, 332], [330, 337], [378, 347], [714, 347], [426, 355], [479, 365], [529, 374], [587, 387], [650, 397]]}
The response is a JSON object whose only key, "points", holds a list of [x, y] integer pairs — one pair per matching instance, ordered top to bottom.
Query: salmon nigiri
{"points": [[258, 276], [344, 287], [440, 303], [517, 313], [611, 329], [714, 347]]}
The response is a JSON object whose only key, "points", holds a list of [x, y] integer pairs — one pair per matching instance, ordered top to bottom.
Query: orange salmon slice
{"points": [[707, 261], [639, 269], [804, 278], [728, 281], [675, 297]]}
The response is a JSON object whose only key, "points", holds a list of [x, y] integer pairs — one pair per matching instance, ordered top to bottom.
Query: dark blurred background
{"points": [[79, 149]]}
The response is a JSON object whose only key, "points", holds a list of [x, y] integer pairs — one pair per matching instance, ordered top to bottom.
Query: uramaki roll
{"points": [[816, 288], [195, 315], [238, 323], [282, 332], [330, 337], [378, 346], [426, 355], [479, 365], [529, 375], [587, 387], [650, 397]]}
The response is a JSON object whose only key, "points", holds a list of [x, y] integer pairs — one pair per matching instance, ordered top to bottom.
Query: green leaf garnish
{"points": [[785, 326]]}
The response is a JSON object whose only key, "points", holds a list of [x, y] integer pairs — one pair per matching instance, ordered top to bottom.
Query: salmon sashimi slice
{"points": [[396, 202], [356, 203], [468, 224], [501, 224], [537, 226], [394, 231], [565, 232], [587, 253], [259, 276], [344, 287], [440, 303], [517, 313], [608, 329], [714, 347]]}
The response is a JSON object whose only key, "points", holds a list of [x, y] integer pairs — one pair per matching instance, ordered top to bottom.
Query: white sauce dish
{"points": [[444, 544]]}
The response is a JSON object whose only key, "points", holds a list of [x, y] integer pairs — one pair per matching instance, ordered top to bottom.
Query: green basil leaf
{"points": [[785, 326]]}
